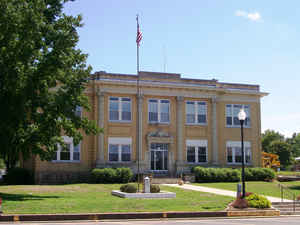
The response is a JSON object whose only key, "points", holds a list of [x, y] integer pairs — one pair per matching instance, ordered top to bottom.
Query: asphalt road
{"points": [[290, 220]]}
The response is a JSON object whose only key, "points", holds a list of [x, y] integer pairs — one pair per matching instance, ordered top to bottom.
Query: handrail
{"points": [[289, 192]]}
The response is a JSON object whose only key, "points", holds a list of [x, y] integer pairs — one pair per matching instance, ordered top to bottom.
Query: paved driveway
{"points": [[212, 221]]}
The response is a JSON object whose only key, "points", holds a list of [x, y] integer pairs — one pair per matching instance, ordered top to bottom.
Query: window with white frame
{"points": [[119, 109], [159, 111], [232, 111], [196, 112], [119, 149], [196, 151], [234, 152], [69, 154]]}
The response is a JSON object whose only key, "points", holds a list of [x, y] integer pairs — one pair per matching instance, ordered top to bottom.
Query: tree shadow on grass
{"points": [[295, 187], [23, 197]]}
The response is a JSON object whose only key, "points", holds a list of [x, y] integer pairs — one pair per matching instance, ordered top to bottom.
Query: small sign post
{"points": [[239, 190]]}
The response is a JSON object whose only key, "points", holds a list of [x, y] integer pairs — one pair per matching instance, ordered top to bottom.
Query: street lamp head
{"points": [[242, 115]]}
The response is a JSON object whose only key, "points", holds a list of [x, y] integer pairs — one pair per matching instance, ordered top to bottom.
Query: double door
{"points": [[159, 157]]}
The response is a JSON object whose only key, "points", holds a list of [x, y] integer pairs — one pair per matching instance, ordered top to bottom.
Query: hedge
{"points": [[216, 174], [259, 174], [111, 175], [231, 175]]}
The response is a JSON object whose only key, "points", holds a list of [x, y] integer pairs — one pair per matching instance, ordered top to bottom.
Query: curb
{"points": [[133, 215]]}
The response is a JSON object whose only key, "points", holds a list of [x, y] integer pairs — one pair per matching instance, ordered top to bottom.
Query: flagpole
{"points": [[137, 48], [138, 99]]}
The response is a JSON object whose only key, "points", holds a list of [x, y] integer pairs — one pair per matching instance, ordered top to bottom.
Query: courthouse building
{"points": [[161, 123]]}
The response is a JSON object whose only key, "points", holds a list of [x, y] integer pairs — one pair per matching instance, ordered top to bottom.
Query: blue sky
{"points": [[254, 42]]}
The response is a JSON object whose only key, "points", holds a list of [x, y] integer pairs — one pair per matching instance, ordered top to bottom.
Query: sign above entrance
{"points": [[159, 136]]}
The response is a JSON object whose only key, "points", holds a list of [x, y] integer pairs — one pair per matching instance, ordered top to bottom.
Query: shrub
{"points": [[201, 174], [216, 174], [259, 174], [269, 174], [106, 175], [110, 175], [124, 175], [232, 175], [18, 176], [128, 188], [154, 188], [258, 201]]}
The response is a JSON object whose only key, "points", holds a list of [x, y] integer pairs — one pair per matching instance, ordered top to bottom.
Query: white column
{"points": [[179, 127], [140, 129], [214, 131], [100, 155]]}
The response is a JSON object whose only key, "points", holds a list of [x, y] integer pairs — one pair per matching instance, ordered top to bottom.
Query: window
{"points": [[119, 109], [159, 111], [232, 111], [196, 112], [119, 149], [196, 151], [234, 152], [71, 153]]}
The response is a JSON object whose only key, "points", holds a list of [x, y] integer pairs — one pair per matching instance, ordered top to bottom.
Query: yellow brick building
{"points": [[173, 124]]}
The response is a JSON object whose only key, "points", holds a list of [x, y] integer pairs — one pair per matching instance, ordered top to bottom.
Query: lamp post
{"points": [[242, 117]]}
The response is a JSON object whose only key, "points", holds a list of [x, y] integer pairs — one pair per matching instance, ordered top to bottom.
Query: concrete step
{"points": [[165, 180], [286, 203], [285, 206], [287, 209], [289, 213]]}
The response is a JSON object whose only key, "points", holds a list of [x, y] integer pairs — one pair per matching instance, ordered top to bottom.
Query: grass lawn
{"points": [[259, 187], [93, 198]]}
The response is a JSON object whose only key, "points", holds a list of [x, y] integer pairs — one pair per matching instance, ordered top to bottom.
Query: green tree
{"points": [[42, 79], [268, 137], [294, 141], [283, 150]]}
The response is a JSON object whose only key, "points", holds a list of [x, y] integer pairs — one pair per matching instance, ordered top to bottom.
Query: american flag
{"points": [[139, 35]]}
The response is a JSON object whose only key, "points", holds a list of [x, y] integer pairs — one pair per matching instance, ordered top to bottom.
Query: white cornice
{"points": [[181, 86], [175, 93]]}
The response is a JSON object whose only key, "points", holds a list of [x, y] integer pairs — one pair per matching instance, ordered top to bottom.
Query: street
{"points": [[288, 220]]}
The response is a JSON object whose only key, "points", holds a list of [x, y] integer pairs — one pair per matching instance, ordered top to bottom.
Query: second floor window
{"points": [[119, 109], [159, 111], [232, 111], [196, 112]]}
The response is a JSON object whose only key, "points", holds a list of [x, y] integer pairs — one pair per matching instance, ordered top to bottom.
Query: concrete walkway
{"points": [[218, 191]]}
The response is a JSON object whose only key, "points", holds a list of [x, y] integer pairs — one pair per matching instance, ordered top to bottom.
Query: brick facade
{"points": [[214, 135]]}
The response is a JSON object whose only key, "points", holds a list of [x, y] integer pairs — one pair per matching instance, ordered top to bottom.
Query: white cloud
{"points": [[241, 13], [255, 16]]}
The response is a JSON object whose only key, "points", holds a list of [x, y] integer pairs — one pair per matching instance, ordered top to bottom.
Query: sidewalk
{"points": [[219, 191]]}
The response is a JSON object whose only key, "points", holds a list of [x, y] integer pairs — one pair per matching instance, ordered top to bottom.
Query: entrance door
{"points": [[159, 157]]}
